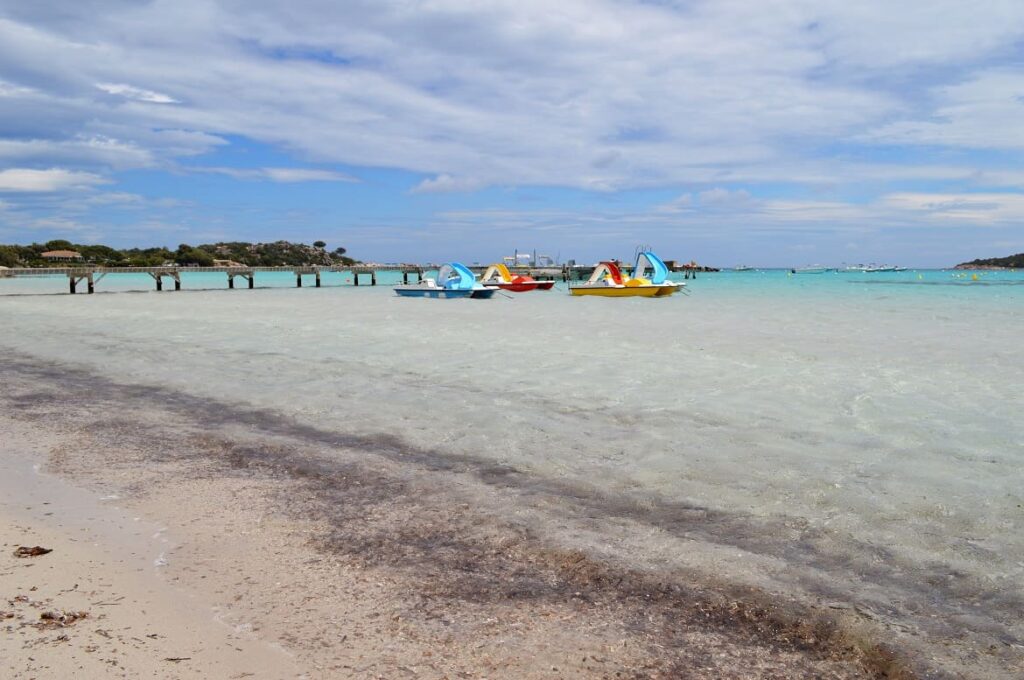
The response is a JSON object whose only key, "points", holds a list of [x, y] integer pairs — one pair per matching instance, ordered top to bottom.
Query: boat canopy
{"points": [[609, 269], [498, 272], [659, 272], [455, 276]]}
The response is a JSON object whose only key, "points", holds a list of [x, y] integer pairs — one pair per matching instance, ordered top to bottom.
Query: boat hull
{"points": [[521, 286], [624, 291], [443, 293]]}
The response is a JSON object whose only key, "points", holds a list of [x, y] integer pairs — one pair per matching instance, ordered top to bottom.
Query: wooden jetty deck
{"points": [[92, 275]]}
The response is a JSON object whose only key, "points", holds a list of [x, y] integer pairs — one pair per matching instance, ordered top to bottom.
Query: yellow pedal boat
{"points": [[609, 281]]}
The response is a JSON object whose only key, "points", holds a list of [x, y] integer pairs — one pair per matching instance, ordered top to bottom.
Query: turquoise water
{"points": [[984, 285]]}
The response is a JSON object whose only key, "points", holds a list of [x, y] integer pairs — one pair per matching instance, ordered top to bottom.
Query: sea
{"points": [[852, 437]]}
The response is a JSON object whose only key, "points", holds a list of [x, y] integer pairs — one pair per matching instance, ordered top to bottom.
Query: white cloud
{"points": [[9, 90], [136, 93], [599, 94], [985, 111], [93, 151], [283, 175], [305, 175], [54, 179], [446, 184], [991, 209]]}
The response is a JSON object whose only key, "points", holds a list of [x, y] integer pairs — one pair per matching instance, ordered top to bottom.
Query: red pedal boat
{"points": [[498, 276]]}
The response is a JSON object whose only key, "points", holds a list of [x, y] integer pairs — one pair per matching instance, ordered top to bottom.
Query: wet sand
{"points": [[329, 560], [95, 606]]}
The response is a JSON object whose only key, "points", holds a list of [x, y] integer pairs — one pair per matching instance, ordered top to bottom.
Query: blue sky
{"points": [[765, 133]]}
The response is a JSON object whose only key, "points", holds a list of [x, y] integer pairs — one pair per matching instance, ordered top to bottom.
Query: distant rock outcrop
{"points": [[1009, 262]]}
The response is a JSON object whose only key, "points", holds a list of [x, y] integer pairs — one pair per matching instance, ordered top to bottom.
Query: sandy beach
{"points": [[214, 554]]}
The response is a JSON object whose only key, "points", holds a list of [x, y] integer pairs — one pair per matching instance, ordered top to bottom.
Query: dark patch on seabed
{"points": [[457, 560]]}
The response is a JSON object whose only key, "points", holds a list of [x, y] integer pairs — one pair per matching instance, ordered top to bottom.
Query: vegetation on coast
{"points": [[276, 254], [1008, 262]]}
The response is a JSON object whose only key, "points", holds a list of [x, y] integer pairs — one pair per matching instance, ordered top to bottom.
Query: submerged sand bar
{"points": [[734, 486]]}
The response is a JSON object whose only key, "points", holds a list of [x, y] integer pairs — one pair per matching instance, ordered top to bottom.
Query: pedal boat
{"points": [[498, 276], [453, 280], [609, 281]]}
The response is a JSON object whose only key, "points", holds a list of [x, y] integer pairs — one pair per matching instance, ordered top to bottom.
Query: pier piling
{"points": [[91, 274], [159, 275], [75, 277]]}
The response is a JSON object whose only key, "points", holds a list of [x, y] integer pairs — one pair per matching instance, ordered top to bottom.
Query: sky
{"points": [[758, 132]]}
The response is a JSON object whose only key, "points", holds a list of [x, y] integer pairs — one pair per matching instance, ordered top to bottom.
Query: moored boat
{"points": [[499, 276], [453, 280], [607, 280]]}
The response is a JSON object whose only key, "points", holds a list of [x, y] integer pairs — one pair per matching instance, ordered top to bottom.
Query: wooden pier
{"points": [[92, 275]]}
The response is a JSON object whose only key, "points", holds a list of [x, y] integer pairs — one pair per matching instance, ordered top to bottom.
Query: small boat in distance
{"points": [[743, 268], [873, 268], [811, 269], [499, 276], [453, 280], [607, 280]]}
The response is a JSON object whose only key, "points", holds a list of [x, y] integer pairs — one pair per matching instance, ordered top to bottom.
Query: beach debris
{"points": [[34, 551], [62, 619], [177, 659]]}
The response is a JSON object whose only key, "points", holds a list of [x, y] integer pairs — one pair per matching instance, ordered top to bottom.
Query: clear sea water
{"points": [[854, 436]]}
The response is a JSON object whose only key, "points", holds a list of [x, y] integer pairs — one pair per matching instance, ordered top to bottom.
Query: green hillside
{"points": [[278, 253], [1009, 262]]}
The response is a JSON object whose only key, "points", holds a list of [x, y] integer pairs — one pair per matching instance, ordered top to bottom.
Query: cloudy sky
{"points": [[767, 132]]}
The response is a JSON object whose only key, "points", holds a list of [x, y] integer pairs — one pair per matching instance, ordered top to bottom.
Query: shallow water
{"points": [[860, 433]]}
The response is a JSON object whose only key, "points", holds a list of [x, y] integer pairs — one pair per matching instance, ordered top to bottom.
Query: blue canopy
{"points": [[455, 276]]}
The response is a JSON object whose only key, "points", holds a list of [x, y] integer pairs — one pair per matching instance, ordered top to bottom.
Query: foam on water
{"points": [[883, 412]]}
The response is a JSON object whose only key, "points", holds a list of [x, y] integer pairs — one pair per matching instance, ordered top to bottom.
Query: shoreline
{"points": [[359, 570], [96, 606]]}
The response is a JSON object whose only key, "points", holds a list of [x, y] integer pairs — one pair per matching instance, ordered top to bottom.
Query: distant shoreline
{"points": [[986, 267]]}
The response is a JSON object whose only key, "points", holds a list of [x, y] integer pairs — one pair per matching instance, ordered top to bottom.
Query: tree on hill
{"points": [[60, 244], [279, 253], [187, 255], [9, 257], [1011, 262]]}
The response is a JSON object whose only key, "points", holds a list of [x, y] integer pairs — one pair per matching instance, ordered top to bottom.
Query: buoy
{"points": [[974, 277]]}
